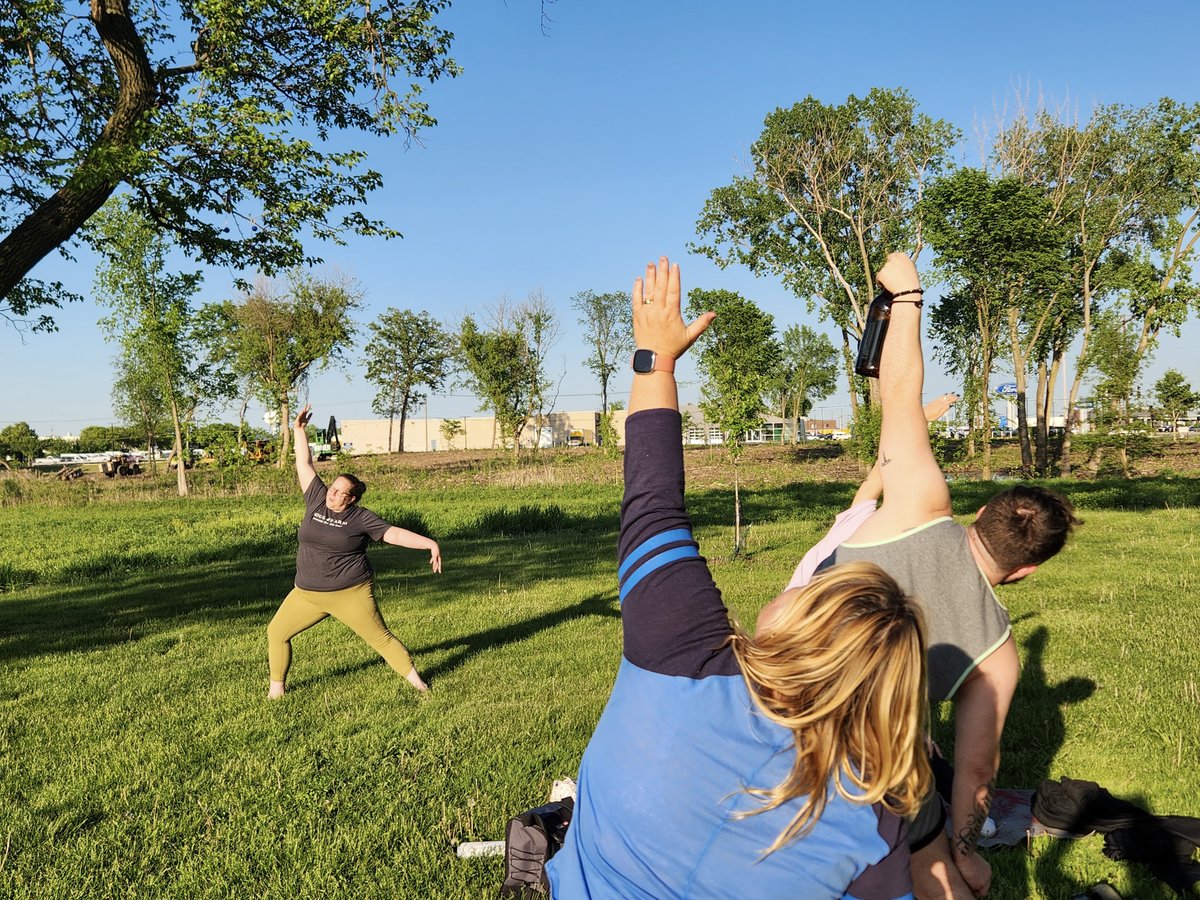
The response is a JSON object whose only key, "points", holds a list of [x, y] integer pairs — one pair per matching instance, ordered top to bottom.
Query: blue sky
{"points": [[565, 161]]}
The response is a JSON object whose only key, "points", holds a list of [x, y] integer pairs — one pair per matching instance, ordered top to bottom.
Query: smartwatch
{"points": [[647, 361]]}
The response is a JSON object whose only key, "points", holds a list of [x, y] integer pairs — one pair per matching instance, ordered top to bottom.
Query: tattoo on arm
{"points": [[883, 458], [968, 836]]}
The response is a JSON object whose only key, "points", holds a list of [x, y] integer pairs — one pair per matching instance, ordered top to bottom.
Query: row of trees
{"points": [[1077, 236], [176, 355]]}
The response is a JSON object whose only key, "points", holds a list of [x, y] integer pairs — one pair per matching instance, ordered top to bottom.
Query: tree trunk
{"points": [[60, 216], [848, 361], [405, 400], [985, 409], [1022, 411], [242, 418], [1042, 420], [391, 423], [285, 432], [1065, 458], [180, 459], [737, 510]]}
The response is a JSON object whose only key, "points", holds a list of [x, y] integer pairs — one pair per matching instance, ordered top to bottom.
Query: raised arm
{"points": [[304, 464], [914, 489], [653, 500], [402, 537], [674, 620]]}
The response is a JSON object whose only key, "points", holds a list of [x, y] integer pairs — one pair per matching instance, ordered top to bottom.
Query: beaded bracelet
{"points": [[913, 291]]}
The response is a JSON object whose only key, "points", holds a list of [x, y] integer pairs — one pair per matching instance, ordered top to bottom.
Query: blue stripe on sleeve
{"points": [[663, 537], [656, 562]]}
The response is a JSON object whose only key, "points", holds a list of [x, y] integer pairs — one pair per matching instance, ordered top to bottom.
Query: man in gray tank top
{"points": [[952, 570]]}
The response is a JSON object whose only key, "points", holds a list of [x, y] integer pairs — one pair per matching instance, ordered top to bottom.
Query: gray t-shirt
{"points": [[332, 554], [965, 623]]}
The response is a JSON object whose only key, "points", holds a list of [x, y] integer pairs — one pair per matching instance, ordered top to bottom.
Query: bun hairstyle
{"points": [[1025, 526], [843, 667]]}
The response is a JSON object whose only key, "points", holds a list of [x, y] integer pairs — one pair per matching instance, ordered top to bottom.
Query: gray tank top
{"points": [[965, 622]]}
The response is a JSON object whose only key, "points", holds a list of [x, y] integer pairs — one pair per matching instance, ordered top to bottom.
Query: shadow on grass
{"points": [[801, 500], [822, 501], [143, 595], [125, 607], [466, 647], [1037, 728], [1033, 737]]}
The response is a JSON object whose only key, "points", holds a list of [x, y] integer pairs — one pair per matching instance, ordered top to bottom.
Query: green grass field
{"points": [[138, 757]]}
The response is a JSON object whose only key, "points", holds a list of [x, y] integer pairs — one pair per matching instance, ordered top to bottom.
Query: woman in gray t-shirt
{"points": [[333, 575]]}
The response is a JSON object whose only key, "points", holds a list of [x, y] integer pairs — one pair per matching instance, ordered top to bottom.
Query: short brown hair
{"points": [[1025, 526]]}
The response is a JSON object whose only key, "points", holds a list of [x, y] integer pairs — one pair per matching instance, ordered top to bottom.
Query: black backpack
{"points": [[529, 841]]}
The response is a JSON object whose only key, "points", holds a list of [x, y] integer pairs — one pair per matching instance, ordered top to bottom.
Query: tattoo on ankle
{"points": [[883, 459]]}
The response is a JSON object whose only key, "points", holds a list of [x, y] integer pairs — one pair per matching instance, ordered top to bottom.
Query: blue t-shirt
{"points": [[663, 777]]}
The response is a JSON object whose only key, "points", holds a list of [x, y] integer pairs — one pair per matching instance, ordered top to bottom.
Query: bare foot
{"points": [[939, 406], [414, 678], [276, 690]]}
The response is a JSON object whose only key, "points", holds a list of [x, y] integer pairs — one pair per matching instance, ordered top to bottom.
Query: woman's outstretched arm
{"points": [[304, 464], [402, 537]]}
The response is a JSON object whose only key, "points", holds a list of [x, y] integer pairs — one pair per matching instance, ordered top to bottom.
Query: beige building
{"points": [[559, 429]]}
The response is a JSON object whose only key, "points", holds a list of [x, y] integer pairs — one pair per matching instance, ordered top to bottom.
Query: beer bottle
{"points": [[870, 348]]}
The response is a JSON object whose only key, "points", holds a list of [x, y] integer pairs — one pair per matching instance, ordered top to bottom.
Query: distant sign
{"points": [[1007, 390]]}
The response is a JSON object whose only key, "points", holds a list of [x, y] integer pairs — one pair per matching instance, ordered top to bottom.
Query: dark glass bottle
{"points": [[870, 348]]}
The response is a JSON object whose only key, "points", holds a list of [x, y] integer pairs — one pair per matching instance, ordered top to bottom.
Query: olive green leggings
{"points": [[353, 606]]}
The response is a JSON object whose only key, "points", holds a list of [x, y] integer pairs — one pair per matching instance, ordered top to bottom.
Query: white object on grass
{"points": [[562, 788], [480, 848]]}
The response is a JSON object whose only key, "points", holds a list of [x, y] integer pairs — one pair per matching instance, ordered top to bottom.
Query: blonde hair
{"points": [[843, 667]]}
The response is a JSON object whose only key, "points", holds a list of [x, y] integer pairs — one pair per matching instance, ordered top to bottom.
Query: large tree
{"points": [[215, 116], [1119, 184], [833, 190], [999, 253], [152, 318], [607, 333], [275, 341], [408, 354], [737, 359], [505, 364], [496, 369]]}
